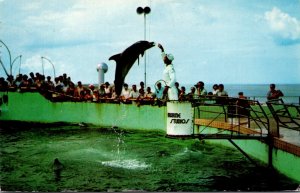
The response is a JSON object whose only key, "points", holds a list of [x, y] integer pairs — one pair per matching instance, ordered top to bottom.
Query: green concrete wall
{"points": [[32, 107]]}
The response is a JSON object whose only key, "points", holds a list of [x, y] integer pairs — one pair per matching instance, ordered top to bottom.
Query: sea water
{"points": [[98, 159]]}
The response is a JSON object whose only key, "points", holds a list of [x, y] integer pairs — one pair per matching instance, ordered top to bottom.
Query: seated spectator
{"points": [[31, 74], [10, 80], [18, 81], [42, 81], [24, 82], [49, 83], [3, 84], [58, 85], [65, 86], [215, 89], [71, 90], [107, 90], [79, 91], [102, 91], [221, 91], [149, 93], [273, 93], [89, 94], [125, 94], [134, 94], [141, 94], [114, 95], [222, 95], [95, 96], [242, 105]]}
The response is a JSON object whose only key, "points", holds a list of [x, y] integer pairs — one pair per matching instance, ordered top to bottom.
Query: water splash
{"points": [[126, 164]]}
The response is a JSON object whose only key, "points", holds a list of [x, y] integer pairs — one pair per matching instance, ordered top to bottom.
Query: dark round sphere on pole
{"points": [[140, 10], [147, 10]]}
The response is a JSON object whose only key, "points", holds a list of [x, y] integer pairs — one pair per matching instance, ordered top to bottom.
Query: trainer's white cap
{"points": [[170, 57]]}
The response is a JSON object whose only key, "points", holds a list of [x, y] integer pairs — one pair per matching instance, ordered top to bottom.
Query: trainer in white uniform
{"points": [[169, 75]]}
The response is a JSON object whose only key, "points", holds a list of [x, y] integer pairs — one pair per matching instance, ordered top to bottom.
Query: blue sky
{"points": [[216, 41]]}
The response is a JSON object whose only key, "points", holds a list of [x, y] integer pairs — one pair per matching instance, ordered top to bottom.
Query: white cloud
{"points": [[283, 25]]}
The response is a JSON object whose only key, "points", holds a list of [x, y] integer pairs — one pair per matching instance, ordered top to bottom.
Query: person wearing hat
{"points": [[169, 75]]}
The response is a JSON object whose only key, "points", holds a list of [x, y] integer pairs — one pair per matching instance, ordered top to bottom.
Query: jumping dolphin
{"points": [[126, 59]]}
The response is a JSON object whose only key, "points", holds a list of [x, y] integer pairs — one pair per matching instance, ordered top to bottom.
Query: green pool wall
{"points": [[32, 107]]}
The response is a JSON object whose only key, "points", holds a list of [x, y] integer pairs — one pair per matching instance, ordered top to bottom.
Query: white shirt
{"points": [[169, 77], [125, 93], [134, 94]]}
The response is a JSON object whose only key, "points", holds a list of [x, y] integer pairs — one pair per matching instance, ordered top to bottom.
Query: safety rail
{"points": [[285, 115], [241, 117]]}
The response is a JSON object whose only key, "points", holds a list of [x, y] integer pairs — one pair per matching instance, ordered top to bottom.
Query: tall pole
{"points": [[145, 11], [9, 56], [15, 60], [145, 60], [50, 63]]}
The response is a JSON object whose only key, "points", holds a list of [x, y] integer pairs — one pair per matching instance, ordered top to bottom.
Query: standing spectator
{"points": [[142, 86], [177, 87], [200, 89], [159, 91], [273, 93], [192, 94], [182, 95]]}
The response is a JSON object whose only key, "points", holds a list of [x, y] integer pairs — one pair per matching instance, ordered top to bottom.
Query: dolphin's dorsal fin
{"points": [[115, 57]]}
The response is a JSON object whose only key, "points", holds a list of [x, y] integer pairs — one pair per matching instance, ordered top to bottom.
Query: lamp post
{"points": [[145, 11], [15, 60], [50, 63], [10, 65]]}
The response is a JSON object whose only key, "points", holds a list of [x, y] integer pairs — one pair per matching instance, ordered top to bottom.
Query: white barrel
{"points": [[179, 118]]}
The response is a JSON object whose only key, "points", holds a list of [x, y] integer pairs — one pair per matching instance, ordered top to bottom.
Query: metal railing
{"points": [[237, 114], [285, 115]]}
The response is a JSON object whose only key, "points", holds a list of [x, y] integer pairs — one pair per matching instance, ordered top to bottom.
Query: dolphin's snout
{"points": [[151, 44]]}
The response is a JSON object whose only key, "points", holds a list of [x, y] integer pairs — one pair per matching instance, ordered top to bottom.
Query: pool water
{"points": [[98, 159]]}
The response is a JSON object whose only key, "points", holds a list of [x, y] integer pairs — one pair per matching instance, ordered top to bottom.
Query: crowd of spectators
{"points": [[64, 89]]}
